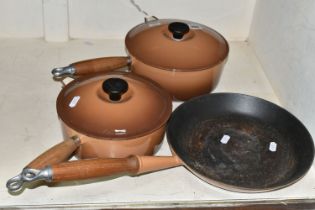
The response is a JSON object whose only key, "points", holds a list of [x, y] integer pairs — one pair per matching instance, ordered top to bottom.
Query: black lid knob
{"points": [[178, 29], [115, 88]]}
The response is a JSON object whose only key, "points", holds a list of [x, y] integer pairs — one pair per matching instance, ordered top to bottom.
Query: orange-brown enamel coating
{"points": [[153, 44], [186, 67], [182, 85], [84, 106], [110, 148], [156, 163]]}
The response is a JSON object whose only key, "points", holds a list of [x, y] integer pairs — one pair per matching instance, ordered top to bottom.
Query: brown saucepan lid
{"points": [[176, 45], [114, 106]]}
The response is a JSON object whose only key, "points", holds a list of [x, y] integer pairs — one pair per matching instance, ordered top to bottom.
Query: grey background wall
{"points": [[59, 20], [283, 36]]}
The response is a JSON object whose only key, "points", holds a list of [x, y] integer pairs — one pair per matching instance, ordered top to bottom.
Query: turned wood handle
{"points": [[97, 65], [56, 154], [93, 168]]}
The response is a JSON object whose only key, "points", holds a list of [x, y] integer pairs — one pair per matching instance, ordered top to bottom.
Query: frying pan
{"points": [[233, 141]]}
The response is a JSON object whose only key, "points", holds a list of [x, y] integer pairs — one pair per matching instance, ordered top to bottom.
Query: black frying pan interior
{"points": [[240, 141]]}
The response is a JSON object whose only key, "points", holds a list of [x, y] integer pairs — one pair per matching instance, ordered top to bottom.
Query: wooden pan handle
{"points": [[97, 65], [56, 154], [93, 168], [36, 169], [85, 169]]}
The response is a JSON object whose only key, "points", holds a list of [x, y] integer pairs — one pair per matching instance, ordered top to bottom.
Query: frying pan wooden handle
{"points": [[97, 65], [56, 154], [93, 168]]}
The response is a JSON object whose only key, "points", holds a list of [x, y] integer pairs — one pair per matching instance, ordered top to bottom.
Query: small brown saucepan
{"points": [[184, 57], [106, 116], [233, 141]]}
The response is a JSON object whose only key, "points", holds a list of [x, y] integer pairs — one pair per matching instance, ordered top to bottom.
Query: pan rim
{"points": [[230, 187]]}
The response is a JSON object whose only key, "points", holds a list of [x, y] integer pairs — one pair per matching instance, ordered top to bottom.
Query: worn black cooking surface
{"points": [[245, 160], [248, 160]]}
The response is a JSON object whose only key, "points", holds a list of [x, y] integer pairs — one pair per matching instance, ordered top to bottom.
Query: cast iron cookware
{"points": [[184, 57], [111, 115], [233, 141]]}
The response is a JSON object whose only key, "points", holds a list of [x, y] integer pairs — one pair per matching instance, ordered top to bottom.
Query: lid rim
{"points": [[220, 61], [183, 70], [164, 94], [117, 138]]}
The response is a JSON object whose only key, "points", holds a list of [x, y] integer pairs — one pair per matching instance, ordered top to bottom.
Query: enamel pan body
{"points": [[184, 57], [114, 115]]}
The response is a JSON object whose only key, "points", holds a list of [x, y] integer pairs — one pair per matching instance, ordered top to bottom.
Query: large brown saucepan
{"points": [[184, 57], [106, 116], [233, 141]]}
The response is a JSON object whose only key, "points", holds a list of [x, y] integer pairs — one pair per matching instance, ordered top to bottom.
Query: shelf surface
{"points": [[29, 125]]}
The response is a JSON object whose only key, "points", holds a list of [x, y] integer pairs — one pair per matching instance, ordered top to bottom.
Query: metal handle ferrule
{"points": [[61, 72], [29, 175]]}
